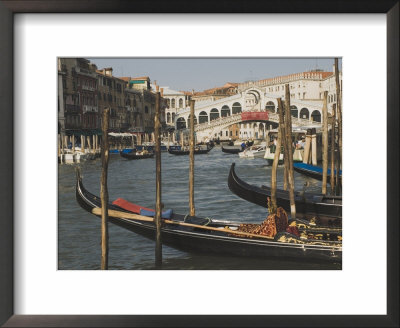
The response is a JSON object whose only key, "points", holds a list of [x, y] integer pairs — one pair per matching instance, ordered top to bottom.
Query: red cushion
{"points": [[129, 206]]}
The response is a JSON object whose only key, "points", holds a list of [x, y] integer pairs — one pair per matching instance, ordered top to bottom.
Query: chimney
{"points": [[157, 88], [192, 91], [162, 92]]}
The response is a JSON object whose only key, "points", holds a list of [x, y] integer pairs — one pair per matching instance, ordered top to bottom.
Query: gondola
{"points": [[232, 149], [198, 151], [134, 155], [313, 171], [327, 210], [204, 235]]}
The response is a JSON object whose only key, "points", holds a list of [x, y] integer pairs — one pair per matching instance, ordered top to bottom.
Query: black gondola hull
{"points": [[233, 150], [187, 152], [132, 156], [328, 210], [213, 242]]}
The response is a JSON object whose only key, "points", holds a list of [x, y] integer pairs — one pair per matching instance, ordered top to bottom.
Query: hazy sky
{"points": [[205, 73]]}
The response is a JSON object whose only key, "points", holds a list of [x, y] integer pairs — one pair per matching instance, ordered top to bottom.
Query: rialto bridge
{"points": [[214, 119]]}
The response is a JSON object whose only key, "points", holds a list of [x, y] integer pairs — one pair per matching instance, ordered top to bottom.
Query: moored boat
{"points": [[232, 149], [185, 151], [253, 152], [136, 155], [269, 155], [313, 171], [327, 210], [191, 233]]}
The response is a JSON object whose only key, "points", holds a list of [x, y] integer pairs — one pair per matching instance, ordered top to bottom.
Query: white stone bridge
{"points": [[211, 118]]}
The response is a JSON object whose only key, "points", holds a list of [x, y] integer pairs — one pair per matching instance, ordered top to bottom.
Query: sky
{"points": [[185, 74]]}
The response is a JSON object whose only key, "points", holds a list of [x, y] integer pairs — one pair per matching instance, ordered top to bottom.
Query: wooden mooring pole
{"points": [[339, 118], [325, 143], [307, 148], [289, 151], [276, 157], [314, 159], [191, 163], [332, 180], [104, 191], [157, 218]]}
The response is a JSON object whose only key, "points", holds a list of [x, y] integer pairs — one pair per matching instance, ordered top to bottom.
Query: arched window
{"points": [[168, 102], [173, 103], [180, 103], [270, 106], [236, 108], [225, 111], [294, 111], [304, 113], [214, 114], [316, 116], [168, 117], [203, 117], [173, 118], [180, 123]]}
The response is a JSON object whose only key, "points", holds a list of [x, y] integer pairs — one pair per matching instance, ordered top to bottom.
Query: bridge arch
{"points": [[256, 94], [270, 106], [236, 108], [225, 111], [294, 111], [304, 113], [214, 114], [316, 116], [203, 117], [180, 123]]}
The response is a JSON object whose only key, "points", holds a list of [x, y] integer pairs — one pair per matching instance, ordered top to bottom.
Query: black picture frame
{"points": [[7, 11]]}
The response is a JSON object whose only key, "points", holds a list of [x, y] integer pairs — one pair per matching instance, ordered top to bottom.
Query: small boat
{"points": [[231, 149], [197, 151], [253, 152], [270, 154], [136, 155], [313, 171], [327, 210], [205, 235]]}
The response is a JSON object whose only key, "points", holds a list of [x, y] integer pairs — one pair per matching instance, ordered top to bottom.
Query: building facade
{"points": [[77, 99]]}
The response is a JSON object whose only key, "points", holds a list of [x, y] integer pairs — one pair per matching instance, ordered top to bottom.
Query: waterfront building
{"points": [[227, 90], [111, 95], [77, 98], [141, 101], [174, 102]]}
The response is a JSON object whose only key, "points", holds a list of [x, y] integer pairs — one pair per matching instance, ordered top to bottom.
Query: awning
{"points": [[83, 132]]}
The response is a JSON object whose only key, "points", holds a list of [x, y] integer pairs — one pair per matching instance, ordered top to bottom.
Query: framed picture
{"points": [[52, 297]]}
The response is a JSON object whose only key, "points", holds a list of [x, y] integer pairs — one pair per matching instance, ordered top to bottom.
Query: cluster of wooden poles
{"points": [[285, 140], [87, 142], [104, 189]]}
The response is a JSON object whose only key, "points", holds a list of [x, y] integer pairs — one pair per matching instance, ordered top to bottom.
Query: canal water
{"points": [[79, 233]]}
